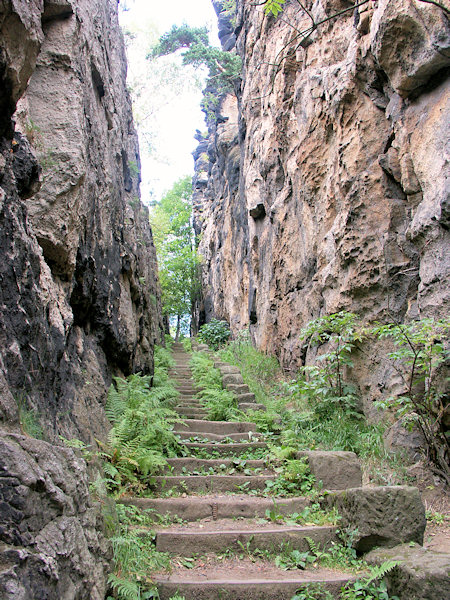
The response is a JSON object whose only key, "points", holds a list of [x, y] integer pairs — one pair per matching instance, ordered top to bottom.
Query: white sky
{"points": [[177, 116]]}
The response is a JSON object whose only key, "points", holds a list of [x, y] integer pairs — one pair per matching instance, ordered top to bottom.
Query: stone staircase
{"points": [[220, 508], [220, 511]]}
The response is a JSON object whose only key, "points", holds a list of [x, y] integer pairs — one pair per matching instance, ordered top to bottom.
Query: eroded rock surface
{"points": [[324, 185], [79, 298], [79, 301], [380, 516], [52, 541]]}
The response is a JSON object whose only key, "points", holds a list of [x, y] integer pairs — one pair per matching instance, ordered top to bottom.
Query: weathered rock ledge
{"points": [[323, 186], [79, 300]]}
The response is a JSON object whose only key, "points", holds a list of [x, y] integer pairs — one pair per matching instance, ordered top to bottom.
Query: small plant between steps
{"points": [[220, 404]]}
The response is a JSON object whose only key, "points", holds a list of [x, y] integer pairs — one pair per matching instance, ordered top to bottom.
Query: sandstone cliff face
{"points": [[327, 183], [79, 300]]}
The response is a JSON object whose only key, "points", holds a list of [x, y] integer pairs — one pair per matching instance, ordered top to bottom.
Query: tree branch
{"points": [[438, 4]]}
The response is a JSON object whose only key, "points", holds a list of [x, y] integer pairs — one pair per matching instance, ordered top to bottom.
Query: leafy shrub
{"points": [[339, 332], [215, 333], [187, 344], [420, 353], [141, 437]]}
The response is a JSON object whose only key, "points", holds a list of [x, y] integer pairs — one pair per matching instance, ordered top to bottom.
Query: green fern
{"points": [[142, 437], [379, 571], [125, 588]]}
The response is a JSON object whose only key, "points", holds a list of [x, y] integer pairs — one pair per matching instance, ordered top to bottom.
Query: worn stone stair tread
{"points": [[250, 398], [187, 415], [223, 426], [208, 435], [235, 447], [191, 463], [217, 483], [223, 506], [189, 542], [263, 572]]}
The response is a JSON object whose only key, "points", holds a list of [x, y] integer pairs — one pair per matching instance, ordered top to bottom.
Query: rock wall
{"points": [[324, 182], [79, 300]]}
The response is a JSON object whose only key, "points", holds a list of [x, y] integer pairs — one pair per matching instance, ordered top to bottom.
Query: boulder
{"points": [[336, 470], [383, 516], [421, 575]]}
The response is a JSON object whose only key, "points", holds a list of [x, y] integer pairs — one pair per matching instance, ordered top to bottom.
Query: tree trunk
{"points": [[166, 324], [177, 335]]}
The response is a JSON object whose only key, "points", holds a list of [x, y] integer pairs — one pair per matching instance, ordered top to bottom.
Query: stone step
{"points": [[229, 370], [233, 379], [238, 389], [187, 392], [246, 398], [190, 403], [245, 406], [191, 411], [191, 415], [221, 427], [206, 435], [225, 449], [194, 464], [210, 483], [221, 507], [217, 537], [245, 581]]}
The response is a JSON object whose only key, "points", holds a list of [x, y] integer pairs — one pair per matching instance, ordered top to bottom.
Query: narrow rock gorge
{"points": [[323, 182], [79, 299]]}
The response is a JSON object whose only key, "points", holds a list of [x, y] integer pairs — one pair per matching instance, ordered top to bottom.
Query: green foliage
{"points": [[273, 7], [230, 9], [223, 67], [178, 260], [215, 333], [339, 333], [187, 344], [420, 354], [163, 360], [259, 370], [203, 371], [220, 404], [29, 418], [316, 418], [141, 437], [294, 479], [312, 514], [435, 517], [134, 556], [294, 560], [372, 587], [313, 591]]}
